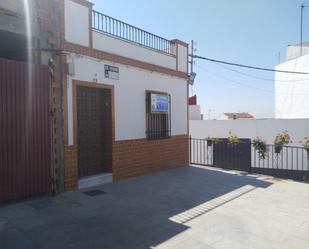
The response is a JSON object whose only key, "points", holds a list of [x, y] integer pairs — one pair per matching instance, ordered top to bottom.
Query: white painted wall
{"points": [[76, 23], [113, 45], [182, 58], [292, 90], [130, 96], [195, 112], [222, 117], [265, 128]]}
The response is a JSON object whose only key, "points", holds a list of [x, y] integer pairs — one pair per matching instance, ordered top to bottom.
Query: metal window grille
{"points": [[158, 125]]}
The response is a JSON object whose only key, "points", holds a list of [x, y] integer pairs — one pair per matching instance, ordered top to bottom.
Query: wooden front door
{"points": [[94, 130]]}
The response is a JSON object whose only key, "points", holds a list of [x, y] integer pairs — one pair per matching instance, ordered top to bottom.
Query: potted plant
{"points": [[232, 139], [281, 139], [211, 140], [305, 143], [260, 146]]}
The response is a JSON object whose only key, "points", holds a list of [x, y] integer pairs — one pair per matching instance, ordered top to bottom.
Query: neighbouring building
{"points": [[293, 51], [292, 90], [31, 100], [108, 100], [194, 109], [235, 115]]}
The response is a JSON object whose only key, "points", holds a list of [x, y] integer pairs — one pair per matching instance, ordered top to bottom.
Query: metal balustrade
{"points": [[111, 26], [283, 161], [290, 162]]}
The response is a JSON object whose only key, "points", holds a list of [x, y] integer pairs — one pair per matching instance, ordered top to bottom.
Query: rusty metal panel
{"points": [[25, 133]]}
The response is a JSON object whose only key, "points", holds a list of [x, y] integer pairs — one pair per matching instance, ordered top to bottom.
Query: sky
{"points": [[252, 32]]}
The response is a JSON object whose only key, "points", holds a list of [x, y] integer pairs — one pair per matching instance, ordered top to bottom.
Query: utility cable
{"points": [[247, 66], [257, 77], [249, 86]]}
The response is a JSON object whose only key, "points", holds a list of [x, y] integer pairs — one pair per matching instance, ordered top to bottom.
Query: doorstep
{"points": [[91, 181]]}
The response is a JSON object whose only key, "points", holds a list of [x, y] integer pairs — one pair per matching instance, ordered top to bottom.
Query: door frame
{"points": [[75, 84]]}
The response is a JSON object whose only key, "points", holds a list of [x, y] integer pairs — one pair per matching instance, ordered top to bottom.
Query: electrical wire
{"points": [[247, 66], [257, 77], [249, 86]]}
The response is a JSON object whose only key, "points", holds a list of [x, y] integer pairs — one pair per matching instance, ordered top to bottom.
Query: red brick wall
{"points": [[193, 100], [142, 156], [134, 158]]}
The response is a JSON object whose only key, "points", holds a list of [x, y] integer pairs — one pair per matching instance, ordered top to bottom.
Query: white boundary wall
{"points": [[265, 128]]}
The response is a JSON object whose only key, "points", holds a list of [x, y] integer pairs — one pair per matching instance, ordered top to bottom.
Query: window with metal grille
{"points": [[158, 115]]}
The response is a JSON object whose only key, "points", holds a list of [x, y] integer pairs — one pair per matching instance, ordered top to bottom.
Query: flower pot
{"points": [[209, 142], [262, 148], [278, 149], [262, 151]]}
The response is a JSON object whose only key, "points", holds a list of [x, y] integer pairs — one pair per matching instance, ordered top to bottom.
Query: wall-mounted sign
{"points": [[111, 72], [159, 103]]}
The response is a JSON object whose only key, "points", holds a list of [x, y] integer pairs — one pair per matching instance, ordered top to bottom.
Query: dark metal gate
{"points": [[94, 129], [25, 134], [221, 154], [228, 156], [289, 162]]}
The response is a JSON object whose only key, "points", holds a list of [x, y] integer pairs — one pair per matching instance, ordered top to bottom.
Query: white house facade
{"points": [[114, 73]]}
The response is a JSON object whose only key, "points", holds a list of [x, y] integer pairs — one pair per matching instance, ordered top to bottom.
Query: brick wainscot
{"points": [[142, 156], [136, 157]]}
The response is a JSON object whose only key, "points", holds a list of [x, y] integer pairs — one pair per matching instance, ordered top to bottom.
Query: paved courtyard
{"points": [[188, 207]]}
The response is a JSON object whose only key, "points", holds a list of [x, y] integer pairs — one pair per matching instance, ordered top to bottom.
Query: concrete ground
{"points": [[189, 207]]}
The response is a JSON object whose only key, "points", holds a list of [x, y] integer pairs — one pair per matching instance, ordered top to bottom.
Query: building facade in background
{"points": [[292, 90], [194, 109], [235, 115]]}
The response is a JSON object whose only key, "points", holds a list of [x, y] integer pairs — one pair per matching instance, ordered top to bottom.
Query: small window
{"points": [[158, 115]]}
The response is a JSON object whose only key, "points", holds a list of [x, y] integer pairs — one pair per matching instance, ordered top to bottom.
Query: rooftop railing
{"points": [[111, 26]]}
